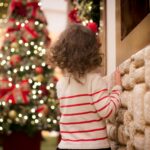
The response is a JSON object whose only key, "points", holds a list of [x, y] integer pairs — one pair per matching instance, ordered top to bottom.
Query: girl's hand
{"points": [[117, 77]]}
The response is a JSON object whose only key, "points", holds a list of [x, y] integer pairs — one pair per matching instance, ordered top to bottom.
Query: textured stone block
{"points": [[147, 52], [138, 59], [147, 65], [124, 67], [147, 72], [138, 75], [127, 82], [125, 97], [130, 102], [138, 102], [147, 107], [120, 116], [127, 118], [131, 131], [112, 132], [122, 138], [147, 138], [139, 141], [113, 145], [130, 146], [122, 148]]}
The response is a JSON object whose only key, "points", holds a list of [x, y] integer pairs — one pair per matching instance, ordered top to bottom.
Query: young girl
{"points": [[85, 102]]}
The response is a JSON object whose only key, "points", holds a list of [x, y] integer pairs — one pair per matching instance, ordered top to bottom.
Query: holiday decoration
{"points": [[3, 10], [86, 12], [73, 16], [92, 26], [15, 59], [39, 70], [39, 78], [14, 93], [28, 101], [43, 110], [12, 114]]}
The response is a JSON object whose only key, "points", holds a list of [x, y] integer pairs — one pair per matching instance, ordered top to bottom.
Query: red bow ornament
{"points": [[14, 93]]}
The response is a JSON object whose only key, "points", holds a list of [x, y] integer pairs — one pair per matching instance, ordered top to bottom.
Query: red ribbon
{"points": [[15, 4], [35, 7], [33, 33], [12, 93]]}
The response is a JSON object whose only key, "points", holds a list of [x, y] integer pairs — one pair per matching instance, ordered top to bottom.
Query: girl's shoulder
{"points": [[95, 73]]}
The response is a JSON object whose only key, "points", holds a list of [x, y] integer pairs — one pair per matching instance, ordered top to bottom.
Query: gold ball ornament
{"points": [[14, 45], [39, 78], [12, 114]]}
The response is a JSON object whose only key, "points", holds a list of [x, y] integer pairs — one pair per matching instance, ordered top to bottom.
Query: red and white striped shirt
{"points": [[84, 108]]}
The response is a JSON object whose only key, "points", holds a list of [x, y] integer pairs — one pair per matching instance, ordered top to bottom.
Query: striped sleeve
{"points": [[105, 102]]}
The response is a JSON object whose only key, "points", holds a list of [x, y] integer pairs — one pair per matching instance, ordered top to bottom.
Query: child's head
{"points": [[76, 51]]}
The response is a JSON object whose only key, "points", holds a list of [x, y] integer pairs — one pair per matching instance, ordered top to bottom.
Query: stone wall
{"points": [[130, 129]]}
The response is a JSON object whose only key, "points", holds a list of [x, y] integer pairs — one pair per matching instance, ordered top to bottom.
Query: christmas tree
{"points": [[86, 12], [27, 84]]}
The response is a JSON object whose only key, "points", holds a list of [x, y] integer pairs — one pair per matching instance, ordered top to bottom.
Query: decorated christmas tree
{"points": [[86, 12], [27, 84]]}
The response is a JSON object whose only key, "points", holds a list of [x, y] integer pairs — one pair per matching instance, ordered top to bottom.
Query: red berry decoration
{"points": [[92, 26], [15, 59], [39, 70], [44, 90], [43, 109]]}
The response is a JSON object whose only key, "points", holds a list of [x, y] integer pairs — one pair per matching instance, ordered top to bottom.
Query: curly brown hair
{"points": [[76, 51]]}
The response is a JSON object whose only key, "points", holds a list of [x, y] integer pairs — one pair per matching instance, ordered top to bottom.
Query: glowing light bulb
{"points": [[17, 23], [36, 23], [23, 24], [7, 35], [20, 41], [32, 43], [41, 43], [26, 44], [12, 50], [35, 51], [28, 52], [1, 55], [8, 57], [3, 62], [43, 64], [33, 66], [27, 67], [21, 68], [15, 70], [10, 79], [30, 81], [10, 84], [17, 85], [51, 85], [33, 91], [39, 92], [34, 96], [41, 101], [3, 103], [52, 107], [33, 110], [20, 115], [40, 115], [33, 116], [25, 117], [1, 119], [48, 120], [36, 121], [54, 121]]}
